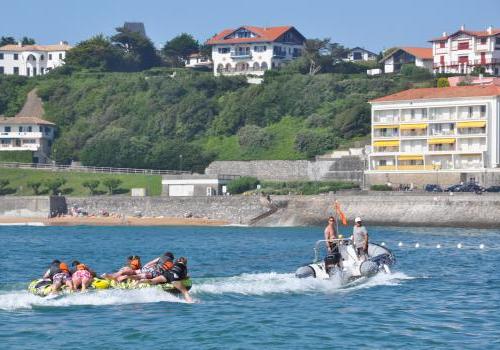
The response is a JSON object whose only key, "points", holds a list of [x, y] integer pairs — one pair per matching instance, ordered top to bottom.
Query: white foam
{"points": [[280, 283], [24, 300]]}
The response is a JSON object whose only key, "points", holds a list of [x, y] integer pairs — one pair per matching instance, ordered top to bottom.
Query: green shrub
{"points": [[416, 73], [443, 82], [252, 137], [17, 156], [112, 184], [242, 184], [54, 185], [91, 185], [35, 186], [305, 187], [380, 188]]}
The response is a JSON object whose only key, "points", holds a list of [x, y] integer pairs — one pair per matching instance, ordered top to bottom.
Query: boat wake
{"points": [[282, 283], [18, 300]]}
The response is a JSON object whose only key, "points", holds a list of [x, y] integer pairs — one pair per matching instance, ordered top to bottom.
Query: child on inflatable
{"points": [[133, 264], [152, 269], [81, 275], [63, 276]]}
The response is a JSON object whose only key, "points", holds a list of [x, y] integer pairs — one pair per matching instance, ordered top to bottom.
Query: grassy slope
{"points": [[19, 179]]}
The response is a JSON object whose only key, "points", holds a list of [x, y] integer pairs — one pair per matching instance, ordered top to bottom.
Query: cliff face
{"points": [[459, 210]]}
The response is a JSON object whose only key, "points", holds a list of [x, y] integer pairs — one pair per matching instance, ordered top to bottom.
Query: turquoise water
{"points": [[247, 296]]}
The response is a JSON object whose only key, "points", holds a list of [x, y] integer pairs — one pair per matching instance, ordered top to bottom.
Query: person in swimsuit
{"points": [[330, 234], [133, 264], [152, 269], [81, 275], [63, 276]]}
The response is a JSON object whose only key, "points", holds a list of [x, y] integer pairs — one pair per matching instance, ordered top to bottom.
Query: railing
{"points": [[241, 55], [468, 63], [249, 70], [442, 133], [30, 134], [392, 135], [23, 147], [90, 169]]}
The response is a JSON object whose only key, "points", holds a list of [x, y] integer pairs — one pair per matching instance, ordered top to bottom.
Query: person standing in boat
{"points": [[330, 235], [360, 238]]}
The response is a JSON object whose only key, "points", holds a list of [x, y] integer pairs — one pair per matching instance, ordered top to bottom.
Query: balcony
{"points": [[241, 55], [479, 62], [247, 71], [472, 131], [442, 132], [413, 133], [385, 134], [20, 135], [404, 167]]}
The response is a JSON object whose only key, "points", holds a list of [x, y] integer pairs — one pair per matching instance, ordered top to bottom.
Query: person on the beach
{"points": [[330, 235], [360, 238], [133, 264], [152, 269], [81, 275], [174, 275], [61, 277]]}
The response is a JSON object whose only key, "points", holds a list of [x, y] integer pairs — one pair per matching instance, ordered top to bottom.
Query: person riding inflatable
{"points": [[152, 269], [81, 275], [63, 276]]}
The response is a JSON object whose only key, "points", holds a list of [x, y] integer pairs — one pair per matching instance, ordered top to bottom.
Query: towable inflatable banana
{"points": [[42, 287]]}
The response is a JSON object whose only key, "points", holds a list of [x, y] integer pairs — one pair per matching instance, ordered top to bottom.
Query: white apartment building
{"points": [[250, 50], [464, 50], [359, 54], [399, 56], [32, 60], [27, 134], [421, 134]]}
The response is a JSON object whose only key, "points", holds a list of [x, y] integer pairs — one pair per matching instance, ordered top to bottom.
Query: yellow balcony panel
{"points": [[480, 124], [386, 126], [412, 126], [441, 141], [388, 143], [411, 157], [385, 167], [415, 167]]}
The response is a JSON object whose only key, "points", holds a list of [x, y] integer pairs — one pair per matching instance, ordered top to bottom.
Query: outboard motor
{"points": [[368, 268], [305, 272]]}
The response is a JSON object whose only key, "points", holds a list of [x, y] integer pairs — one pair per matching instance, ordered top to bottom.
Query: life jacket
{"points": [[164, 263], [135, 264], [63, 267], [81, 267], [54, 269], [180, 269]]}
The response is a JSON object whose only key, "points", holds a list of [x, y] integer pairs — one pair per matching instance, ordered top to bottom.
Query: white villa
{"points": [[252, 50], [464, 50], [359, 54], [399, 56], [32, 60], [197, 60], [27, 134], [433, 135]]}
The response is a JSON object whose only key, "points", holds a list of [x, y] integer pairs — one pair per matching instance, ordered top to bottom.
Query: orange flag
{"points": [[341, 215]]}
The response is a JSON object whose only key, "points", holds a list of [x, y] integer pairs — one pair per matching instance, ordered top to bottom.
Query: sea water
{"points": [[246, 293]]}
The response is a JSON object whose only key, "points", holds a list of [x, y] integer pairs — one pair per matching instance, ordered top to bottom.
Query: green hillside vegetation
{"points": [[131, 115], [22, 181]]}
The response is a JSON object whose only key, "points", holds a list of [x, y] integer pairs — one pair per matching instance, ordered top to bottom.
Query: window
{"points": [[483, 41], [497, 42], [442, 45], [464, 45], [260, 48], [223, 50], [296, 52], [1, 56], [60, 56], [357, 56], [16, 57], [50, 57], [42, 58], [463, 59], [16, 70], [2, 71], [483, 110], [7, 129], [20, 129], [30, 129], [40, 129]]}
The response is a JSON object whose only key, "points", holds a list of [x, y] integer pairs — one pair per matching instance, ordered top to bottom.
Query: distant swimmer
{"points": [[360, 238]]}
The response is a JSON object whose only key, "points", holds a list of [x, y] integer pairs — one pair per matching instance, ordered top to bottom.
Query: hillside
{"points": [[148, 119]]}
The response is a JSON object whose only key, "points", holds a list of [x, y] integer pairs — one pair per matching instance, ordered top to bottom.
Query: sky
{"points": [[372, 24]]}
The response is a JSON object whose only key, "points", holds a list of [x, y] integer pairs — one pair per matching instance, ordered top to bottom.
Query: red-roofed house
{"points": [[253, 50], [465, 50], [399, 56], [32, 60], [436, 135]]}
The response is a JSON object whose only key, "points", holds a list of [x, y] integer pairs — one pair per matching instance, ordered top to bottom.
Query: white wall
{"points": [[42, 63]]}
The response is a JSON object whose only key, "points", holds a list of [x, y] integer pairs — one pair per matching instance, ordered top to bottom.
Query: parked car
{"points": [[472, 187], [433, 188], [493, 189]]}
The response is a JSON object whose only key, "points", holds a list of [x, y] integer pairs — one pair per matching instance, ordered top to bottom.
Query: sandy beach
{"points": [[112, 221]]}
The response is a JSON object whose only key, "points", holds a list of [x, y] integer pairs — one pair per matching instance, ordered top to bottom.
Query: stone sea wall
{"points": [[399, 209]]}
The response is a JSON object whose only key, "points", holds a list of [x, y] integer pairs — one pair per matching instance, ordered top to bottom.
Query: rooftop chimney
{"points": [[462, 27], [489, 29], [445, 34]]}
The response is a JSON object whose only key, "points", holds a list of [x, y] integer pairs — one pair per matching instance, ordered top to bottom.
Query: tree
{"points": [[7, 40], [27, 41], [312, 48], [177, 50], [138, 51], [206, 51], [338, 52], [95, 53], [443, 82], [253, 137], [313, 143], [111, 184], [242, 184], [54, 185], [91, 185], [3, 186], [35, 186]]}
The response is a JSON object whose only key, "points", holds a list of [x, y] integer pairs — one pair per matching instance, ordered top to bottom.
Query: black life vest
{"points": [[53, 269], [180, 270]]}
